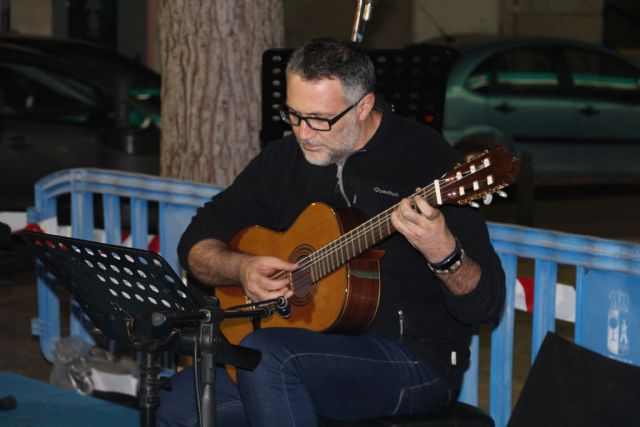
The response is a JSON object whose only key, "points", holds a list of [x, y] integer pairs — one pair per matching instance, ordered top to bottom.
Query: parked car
{"points": [[110, 67], [574, 107], [57, 114]]}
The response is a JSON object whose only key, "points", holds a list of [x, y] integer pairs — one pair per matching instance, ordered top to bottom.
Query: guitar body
{"points": [[346, 300]]}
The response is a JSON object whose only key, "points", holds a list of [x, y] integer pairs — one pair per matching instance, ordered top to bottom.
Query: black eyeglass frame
{"points": [[285, 113]]}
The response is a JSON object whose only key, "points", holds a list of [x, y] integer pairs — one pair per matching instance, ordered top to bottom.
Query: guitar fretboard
{"points": [[475, 179], [353, 243]]}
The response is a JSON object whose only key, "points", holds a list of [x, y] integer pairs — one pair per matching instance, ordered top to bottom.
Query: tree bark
{"points": [[211, 55]]}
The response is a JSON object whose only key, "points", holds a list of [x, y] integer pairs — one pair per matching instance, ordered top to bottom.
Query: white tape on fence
{"points": [[15, 220], [565, 298]]}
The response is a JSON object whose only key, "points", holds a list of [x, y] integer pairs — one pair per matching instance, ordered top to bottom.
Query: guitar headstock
{"points": [[479, 178]]}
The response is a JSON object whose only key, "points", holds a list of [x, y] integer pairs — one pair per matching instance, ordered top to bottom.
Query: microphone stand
{"points": [[364, 9], [210, 346]]}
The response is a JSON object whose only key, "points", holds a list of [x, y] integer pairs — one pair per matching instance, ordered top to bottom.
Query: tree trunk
{"points": [[211, 54]]}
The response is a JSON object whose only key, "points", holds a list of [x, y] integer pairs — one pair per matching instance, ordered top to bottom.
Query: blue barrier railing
{"points": [[168, 204], [602, 268], [607, 272]]}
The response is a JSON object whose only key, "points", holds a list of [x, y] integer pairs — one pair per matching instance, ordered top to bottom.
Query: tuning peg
{"points": [[502, 194], [487, 199], [474, 205]]}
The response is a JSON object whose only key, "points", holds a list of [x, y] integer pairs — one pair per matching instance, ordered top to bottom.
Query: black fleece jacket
{"points": [[279, 183]]}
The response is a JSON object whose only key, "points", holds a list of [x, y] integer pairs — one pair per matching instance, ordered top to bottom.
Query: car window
{"points": [[518, 71], [595, 74], [480, 79], [34, 91]]}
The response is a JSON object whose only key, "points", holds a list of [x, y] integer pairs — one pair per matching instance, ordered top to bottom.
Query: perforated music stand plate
{"points": [[114, 285]]}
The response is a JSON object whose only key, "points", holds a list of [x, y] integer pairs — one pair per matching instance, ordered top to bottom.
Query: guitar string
{"points": [[354, 234], [340, 243], [324, 254], [321, 256], [303, 277]]}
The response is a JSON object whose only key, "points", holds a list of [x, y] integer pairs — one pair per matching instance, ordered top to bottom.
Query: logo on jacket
{"points": [[385, 192]]}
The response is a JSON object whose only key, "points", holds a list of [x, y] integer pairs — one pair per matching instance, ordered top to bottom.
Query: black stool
{"points": [[457, 414]]}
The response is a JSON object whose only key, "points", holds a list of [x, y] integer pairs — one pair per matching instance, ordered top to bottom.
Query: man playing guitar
{"points": [[401, 345]]}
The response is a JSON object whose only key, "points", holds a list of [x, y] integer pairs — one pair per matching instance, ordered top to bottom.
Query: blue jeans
{"points": [[303, 374]]}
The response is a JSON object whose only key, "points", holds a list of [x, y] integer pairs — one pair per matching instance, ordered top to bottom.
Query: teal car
{"points": [[572, 107]]}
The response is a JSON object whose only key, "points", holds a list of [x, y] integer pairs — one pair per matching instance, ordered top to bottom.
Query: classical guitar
{"points": [[337, 286]]}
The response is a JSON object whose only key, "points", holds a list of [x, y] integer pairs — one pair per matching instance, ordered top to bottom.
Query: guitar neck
{"points": [[479, 178], [353, 243]]}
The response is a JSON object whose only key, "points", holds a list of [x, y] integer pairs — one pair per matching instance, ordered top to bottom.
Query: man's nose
{"points": [[305, 130]]}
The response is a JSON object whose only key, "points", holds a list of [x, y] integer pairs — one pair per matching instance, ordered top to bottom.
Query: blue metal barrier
{"points": [[176, 202], [599, 263], [607, 272]]}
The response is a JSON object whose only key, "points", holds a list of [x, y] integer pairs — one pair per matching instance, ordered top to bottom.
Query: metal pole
{"points": [[5, 16], [362, 17]]}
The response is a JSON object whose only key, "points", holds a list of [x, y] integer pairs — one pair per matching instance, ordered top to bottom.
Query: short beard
{"points": [[348, 141]]}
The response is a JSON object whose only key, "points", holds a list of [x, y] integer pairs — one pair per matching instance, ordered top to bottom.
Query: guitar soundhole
{"points": [[304, 287]]}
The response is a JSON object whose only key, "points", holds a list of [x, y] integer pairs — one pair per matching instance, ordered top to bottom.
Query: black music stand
{"points": [[133, 295]]}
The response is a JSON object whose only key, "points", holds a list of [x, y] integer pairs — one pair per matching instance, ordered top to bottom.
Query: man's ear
{"points": [[366, 105]]}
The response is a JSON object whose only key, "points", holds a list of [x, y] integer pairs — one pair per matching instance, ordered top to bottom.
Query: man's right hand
{"points": [[261, 277], [265, 277]]}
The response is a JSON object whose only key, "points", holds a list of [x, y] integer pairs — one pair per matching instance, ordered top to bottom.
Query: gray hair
{"points": [[333, 59]]}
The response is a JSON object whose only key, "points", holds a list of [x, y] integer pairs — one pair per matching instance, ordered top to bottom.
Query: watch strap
{"points": [[451, 263]]}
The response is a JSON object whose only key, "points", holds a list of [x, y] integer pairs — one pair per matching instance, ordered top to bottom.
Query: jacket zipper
{"points": [[340, 185]]}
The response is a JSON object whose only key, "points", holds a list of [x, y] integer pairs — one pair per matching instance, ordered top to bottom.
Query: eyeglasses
{"points": [[315, 123]]}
